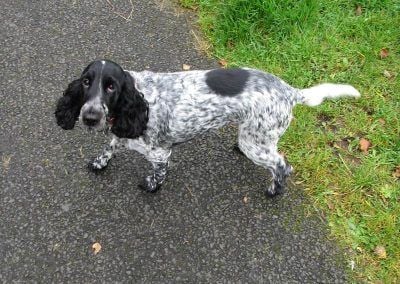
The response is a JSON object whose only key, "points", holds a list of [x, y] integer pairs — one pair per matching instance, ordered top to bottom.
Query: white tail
{"points": [[315, 95]]}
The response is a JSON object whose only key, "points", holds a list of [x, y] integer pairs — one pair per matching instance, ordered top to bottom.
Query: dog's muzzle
{"points": [[92, 118]]}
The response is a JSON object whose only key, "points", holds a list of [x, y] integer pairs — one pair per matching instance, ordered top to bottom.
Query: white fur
{"points": [[315, 95]]}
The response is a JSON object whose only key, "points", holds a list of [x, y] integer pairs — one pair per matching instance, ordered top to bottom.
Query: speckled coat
{"points": [[182, 105]]}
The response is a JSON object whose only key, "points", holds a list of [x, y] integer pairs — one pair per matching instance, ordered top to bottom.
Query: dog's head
{"points": [[104, 95]]}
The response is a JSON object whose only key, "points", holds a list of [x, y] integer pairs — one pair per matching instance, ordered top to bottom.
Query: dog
{"points": [[151, 112]]}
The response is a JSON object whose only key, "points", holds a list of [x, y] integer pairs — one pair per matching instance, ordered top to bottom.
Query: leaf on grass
{"points": [[358, 10], [384, 53], [223, 63], [186, 67], [387, 74], [390, 75], [382, 121], [365, 145], [396, 172], [331, 206], [96, 247], [380, 252]]}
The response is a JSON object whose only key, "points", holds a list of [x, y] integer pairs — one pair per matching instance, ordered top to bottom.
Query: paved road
{"points": [[197, 229]]}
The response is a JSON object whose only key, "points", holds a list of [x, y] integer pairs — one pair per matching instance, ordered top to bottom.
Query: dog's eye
{"points": [[85, 82], [110, 88]]}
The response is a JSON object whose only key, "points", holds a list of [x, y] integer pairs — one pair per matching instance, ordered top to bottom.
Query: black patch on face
{"points": [[227, 82], [127, 106]]}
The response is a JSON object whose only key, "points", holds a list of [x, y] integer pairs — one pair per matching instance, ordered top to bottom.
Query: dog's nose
{"points": [[91, 118]]}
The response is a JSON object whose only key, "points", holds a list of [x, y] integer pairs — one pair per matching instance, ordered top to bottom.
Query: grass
{"points": [[307, 42]]}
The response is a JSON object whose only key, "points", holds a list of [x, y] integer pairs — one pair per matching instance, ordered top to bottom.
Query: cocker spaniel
{"points": [[151, 112]]}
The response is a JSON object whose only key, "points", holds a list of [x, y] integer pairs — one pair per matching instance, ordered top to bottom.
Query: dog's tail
{"points": [[315, 95]]}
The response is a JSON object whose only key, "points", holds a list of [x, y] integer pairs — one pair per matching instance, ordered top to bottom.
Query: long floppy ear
{"points": [[69, 105], [131, 112]]}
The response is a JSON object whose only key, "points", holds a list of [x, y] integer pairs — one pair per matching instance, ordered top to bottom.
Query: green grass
{"points": [[307, 42]]}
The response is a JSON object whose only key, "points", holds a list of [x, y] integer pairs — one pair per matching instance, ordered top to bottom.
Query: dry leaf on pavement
{"points": [[186, 67], [96, 247]]}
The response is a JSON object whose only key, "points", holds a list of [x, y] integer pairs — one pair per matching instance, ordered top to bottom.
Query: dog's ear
{"points": [[69, 105], [131, 111]]}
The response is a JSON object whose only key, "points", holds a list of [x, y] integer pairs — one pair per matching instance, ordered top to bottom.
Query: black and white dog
{"points": [[151, 112]]}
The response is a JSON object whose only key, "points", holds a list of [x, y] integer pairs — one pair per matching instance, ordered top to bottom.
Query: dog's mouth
{"points": [[102, 126]]}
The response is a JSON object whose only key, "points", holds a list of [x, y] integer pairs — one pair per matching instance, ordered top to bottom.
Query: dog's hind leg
{"points": [[261, 147], [101, 161]]}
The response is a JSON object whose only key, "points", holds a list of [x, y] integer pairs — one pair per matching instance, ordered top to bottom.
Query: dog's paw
{"points": [[97, 164], [289, 170], [149, 184], [274, 189]]}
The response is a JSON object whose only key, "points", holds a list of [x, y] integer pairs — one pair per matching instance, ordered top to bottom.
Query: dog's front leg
{"points": [[159, 160], [101, 161]]}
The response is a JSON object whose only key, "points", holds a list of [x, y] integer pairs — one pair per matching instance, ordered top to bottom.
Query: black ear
{"points": [[69, 105], [131, 111]]}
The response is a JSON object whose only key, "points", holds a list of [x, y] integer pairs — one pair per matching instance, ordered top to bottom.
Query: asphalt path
{"points": [[211, 222]]}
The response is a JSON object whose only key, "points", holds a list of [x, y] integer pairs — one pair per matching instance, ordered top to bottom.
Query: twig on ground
{"points": [[114, 10], [345, 165], [190, 191]]}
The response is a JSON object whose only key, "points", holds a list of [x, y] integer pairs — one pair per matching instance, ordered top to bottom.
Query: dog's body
{"points": [[151, 112]]}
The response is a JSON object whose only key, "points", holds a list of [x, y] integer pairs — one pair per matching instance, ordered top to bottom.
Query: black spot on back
{"points": [[227, 82]]}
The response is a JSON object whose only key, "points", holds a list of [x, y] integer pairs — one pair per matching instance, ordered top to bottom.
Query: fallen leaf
{"points": [[358, 10], [384, 53], [223, 63], [186, 67], [387, 74], [382, 121], [364, 145], [6, 161], [396, 172], [245, 200], [96, 247], [380, 252]]}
